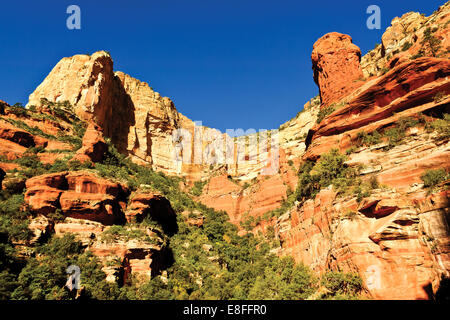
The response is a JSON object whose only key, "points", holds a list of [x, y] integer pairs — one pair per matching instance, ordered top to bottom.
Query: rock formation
{"points": [[336, 66], [94, 146], [396, 236]]}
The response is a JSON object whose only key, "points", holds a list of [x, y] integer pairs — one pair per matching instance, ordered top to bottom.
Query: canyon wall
{"points": [[396, 237]]}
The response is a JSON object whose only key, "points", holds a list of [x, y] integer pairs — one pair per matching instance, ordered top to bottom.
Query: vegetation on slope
{"points": [[210, 262]]}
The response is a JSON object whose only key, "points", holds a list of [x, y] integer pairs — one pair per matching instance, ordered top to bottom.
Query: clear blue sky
{"points": [[231, 64]]}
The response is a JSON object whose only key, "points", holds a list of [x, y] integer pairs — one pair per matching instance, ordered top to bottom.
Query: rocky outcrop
{"points": [[403, 40], [336, 65], [406, 90], [137, 119], [94, 146], [78, 195], [253, 198], [154, 206], [94, 211], [398, 248], [122, 257]]}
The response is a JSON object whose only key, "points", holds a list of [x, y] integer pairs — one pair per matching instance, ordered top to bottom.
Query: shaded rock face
{"points": [[336, 65], [78, 195], [154, 206]]}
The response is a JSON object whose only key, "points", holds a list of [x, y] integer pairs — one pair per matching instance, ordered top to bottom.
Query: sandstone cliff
{"points": [[387, 112]]}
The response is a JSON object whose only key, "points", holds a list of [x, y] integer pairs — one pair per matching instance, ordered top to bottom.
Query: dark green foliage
{"points": [[431, 42], [406, 46], [19, 110], [325, 112], [441, 126], [394, 135], [368, 139], [329, 170], [432, 178], [198, 188], [13, 218], [44, 276], [342, 285]]}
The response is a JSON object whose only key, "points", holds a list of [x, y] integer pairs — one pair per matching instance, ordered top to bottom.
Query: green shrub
{"points": [[429, 40], [406, 46], [438, 97], [19, 110], [325, 112], [442, 126], [394, 135], [368, 139], [329, 170], [431, 178], [198, 188], [339, 283]]}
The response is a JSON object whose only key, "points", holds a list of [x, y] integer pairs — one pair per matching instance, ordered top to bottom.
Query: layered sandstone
{"points": [[336, 65], [407, 89], [78, 195], [400, 254]]}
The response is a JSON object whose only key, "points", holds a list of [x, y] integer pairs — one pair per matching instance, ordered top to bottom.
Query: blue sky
{"points": [[230, 64]]}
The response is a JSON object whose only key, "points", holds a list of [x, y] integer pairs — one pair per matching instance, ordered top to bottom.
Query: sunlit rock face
{"points": [[336, 66]]}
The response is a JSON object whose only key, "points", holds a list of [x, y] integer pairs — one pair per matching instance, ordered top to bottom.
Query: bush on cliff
{"points": [[325, 112], [441, 126], [330, 169], [432, 178], [198, 188], [45, 275], [342, 285]]}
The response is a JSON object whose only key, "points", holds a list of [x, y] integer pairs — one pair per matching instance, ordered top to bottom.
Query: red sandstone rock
{"points": [[336, 66], [404, 91], [16, 135], [94, 146], [7, 166], [79, 195], [43, 199], [154, 205], [392, 253]]}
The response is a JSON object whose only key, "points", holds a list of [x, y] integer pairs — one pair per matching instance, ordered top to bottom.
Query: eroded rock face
{"points": [[403, 40], [336, 65], [406, 90], [137, 119], [94, 146], [78, 195], [262, 195], [155, 206], [91, 207], [400, 254], [121, 257]]}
